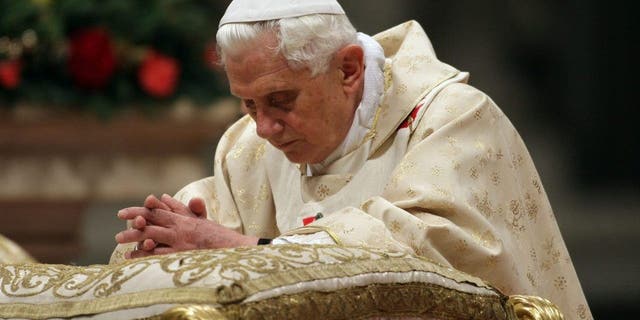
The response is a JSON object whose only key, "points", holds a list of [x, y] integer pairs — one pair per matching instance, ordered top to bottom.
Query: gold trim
{"points": [[373, 131], [333, 236], [354, 268], [394, 300], [533, 308], [67, 309], [191, 312]]}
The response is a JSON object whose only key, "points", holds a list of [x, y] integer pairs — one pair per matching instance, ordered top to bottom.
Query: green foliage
{"points": [[181, 29]]}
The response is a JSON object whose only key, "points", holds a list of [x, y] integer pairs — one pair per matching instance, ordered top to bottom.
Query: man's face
{"points": [[305, 117]]}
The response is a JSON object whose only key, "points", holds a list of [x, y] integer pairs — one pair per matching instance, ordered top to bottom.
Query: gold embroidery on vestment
{"points": [[401, 89], [478, 114], [237, 150], [516, 161], [473, 173], [495, 178], [536, 184], [323, 191], [411, 193], [483, 204], [531, 206], [515, 220], [395, 226], [552, 256], [532, 279], [560, 283], [582, 311]]}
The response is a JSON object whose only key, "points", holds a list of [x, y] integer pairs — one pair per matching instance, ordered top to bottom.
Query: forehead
{"points": [[257, 70]]}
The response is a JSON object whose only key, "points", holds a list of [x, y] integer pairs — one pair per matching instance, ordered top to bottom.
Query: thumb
{"points": [[197, 206]]}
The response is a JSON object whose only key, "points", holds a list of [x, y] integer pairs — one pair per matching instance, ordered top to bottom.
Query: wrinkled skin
{"points": [[305, 117], [166, 225]]}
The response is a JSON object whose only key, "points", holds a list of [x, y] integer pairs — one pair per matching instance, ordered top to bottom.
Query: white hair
{"points": [[307, 41]]}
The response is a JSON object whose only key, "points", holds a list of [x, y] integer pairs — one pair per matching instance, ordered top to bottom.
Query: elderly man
{"points": [[367, 141]]}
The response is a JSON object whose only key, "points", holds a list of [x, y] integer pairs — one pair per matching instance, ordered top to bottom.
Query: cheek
{"points": [[312, 114], [320, 115]]}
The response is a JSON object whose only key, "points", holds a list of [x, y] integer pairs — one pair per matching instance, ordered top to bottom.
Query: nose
{"points": [[266, 125]]}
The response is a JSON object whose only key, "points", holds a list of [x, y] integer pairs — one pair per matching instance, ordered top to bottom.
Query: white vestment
{"points": [[441, 173]]}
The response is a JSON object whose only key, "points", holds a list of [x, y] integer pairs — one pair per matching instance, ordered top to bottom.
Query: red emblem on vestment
{"points": [[412, 116], [308, 220]]}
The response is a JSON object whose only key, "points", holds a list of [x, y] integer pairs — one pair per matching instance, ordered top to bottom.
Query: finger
{"points": [[151, 202], [175, 205], [198, 207], [132, 212], [141, 217], [162, 218], [138, 222], [155, 233], [129, 235], [159, 235], [148, 245], [164, 250], [157, 251], [138, 254]]}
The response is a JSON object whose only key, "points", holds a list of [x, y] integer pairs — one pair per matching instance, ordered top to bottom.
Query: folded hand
{"points": [[166, 225]]}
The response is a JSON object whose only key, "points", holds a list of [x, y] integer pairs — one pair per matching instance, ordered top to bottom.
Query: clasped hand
{"points": [[166, 225]]}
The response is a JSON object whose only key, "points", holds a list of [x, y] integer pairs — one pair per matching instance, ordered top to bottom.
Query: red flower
{"points": [[92, 60], [10, 73], [158, 74]]}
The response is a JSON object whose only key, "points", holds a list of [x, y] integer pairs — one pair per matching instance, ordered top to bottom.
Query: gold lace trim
{"points": [[396, 300], [350, 305], [67, 309], [190, 312]]}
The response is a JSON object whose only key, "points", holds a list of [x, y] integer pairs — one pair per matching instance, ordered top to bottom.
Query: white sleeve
{"points": [[320, 237]]}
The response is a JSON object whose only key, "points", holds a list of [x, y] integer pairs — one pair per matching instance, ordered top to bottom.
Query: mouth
{"points": [[285, 145]]}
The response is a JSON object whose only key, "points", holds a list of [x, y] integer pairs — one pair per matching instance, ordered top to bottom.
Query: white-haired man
{"points": [[357, 140]]}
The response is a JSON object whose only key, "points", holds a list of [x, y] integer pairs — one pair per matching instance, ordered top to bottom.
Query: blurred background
{"points": [[104, 102]]}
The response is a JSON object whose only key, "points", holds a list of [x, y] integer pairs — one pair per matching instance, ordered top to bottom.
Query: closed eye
{"points": [[283, 99]]}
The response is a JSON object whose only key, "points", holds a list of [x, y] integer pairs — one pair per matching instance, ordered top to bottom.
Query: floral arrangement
{"points": [[107, 55]]}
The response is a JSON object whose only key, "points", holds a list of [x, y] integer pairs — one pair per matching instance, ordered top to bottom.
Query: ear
{"points": [[351, 64]]}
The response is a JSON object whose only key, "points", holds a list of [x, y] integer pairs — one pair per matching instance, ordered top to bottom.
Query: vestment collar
{"points": [[411, 71]]}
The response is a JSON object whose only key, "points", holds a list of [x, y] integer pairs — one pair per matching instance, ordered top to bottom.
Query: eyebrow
{"points": [[273, 86], [275, 90], [284, 93]]}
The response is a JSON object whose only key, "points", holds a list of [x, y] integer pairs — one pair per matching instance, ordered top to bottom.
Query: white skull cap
{"points": [[263, 10]]}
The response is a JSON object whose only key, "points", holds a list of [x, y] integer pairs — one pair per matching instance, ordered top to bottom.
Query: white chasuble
{"points": [[442, 173]]}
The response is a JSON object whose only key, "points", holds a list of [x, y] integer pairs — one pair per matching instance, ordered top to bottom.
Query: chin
{"points": [[296, 158], [301, 158]]}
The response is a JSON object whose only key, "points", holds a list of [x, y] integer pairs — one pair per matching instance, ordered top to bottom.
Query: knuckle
{"points": [[152, 214]]}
